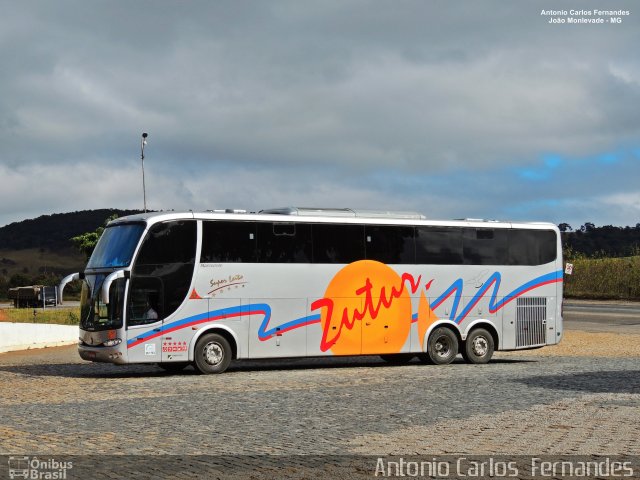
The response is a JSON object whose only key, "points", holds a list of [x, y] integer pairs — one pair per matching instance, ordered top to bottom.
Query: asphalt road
{"points": [[596, 316]]}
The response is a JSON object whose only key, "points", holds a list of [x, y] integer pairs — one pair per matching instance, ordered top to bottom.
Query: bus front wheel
{"points": [[479, 346], [442, 347], [212, 354]]}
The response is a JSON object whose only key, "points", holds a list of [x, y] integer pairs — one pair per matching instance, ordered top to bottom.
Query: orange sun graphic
{"points": [[367, 310]]}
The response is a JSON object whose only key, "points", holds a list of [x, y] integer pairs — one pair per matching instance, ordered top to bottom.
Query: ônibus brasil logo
{"points": [[38, 469]]}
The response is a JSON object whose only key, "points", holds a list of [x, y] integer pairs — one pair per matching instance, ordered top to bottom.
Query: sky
{"points": [[468, 109]]}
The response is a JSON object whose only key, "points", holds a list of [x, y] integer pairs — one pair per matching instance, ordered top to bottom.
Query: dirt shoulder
{"points": [[577, 343]]}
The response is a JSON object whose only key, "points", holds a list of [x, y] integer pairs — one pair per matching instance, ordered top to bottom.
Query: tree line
{"points": [[606, 241]]}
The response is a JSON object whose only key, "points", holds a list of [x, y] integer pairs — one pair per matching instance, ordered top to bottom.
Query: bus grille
{"points": [[531, 321]]}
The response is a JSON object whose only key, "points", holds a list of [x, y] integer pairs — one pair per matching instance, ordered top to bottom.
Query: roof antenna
{"points": [[144, 191]]}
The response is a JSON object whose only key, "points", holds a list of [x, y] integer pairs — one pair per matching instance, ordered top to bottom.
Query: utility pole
{"points": [[144, 191]]}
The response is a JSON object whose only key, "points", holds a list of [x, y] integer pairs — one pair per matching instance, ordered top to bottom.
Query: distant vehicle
{"points": [[206, 288], [33, 296]]}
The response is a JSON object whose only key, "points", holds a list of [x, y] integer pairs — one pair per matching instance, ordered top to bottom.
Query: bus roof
{"points": [[342, 212], [329, 215]]}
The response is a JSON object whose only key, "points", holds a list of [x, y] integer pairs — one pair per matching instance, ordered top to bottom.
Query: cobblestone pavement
{"points": [[52, 403]]}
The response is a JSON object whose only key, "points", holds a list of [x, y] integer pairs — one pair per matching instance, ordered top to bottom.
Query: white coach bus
{"points": [[207, 288]]}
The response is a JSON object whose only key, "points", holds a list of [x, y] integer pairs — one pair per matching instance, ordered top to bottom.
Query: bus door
{"points": [[160, 281], [144, 323]]}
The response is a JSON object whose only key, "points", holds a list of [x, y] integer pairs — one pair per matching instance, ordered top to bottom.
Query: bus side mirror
{"points": [[67, 279], [106, 285]]}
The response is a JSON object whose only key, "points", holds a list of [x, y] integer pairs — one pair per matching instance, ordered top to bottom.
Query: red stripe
{"points": [[190, 324]]}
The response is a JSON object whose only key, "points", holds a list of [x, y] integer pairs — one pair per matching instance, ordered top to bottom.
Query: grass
{"points": [[604, 278], [58, 315]]}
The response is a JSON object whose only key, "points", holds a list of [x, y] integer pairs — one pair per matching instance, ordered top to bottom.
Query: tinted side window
{"points": [[169, 242], [228, 242], [284, 242], [338, 243], [390, 244], [547, 244], [439, 245], [485, 246], [532, 247], [162, 272]]}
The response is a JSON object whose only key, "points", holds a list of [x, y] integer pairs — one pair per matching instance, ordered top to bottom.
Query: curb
{"points": [[25, 336]]}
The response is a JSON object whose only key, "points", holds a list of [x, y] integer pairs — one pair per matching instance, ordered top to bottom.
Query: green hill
{"points": [[53, 232], [39, 250]]}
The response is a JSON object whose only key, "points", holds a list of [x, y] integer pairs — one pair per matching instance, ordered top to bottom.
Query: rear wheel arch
{"points": [[448, 324], [488, 326]]}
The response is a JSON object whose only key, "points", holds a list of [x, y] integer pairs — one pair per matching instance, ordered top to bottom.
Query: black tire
{"points": [[479, 346], [442, 347], [463, 352], [212, 354], [397, 358], [173, 367]]}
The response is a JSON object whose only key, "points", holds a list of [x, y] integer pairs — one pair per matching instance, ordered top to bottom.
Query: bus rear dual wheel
{"points": [[443, 346], [479, 347]]}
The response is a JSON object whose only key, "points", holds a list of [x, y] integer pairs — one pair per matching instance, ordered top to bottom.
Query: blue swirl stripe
{"points": [[494, 305]]}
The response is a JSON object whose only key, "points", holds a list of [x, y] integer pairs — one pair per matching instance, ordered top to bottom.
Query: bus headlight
{"points": [[112, 343]]}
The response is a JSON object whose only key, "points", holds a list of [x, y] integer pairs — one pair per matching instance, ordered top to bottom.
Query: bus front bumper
{"points": [[102, 354]]}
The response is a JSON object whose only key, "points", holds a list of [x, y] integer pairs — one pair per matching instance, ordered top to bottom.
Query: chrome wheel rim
{"points": [[443, 346], [480, 346], [213, 353]]}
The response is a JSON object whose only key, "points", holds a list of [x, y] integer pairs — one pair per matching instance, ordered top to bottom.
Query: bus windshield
{"points": [[116, 246], [95, 315]]}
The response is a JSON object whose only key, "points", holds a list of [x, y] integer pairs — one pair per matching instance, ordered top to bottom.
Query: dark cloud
{"points": [[358, 102]]}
